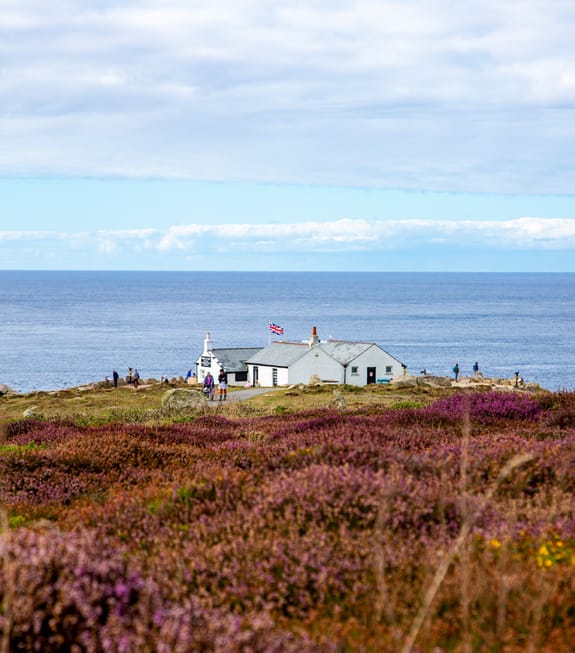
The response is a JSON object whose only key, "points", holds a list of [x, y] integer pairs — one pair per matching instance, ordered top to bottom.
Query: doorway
{"points": [[370, 375]]}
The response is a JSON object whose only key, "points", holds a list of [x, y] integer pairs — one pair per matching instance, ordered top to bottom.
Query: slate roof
{"points": [[343, 351], [279, 354], [284, 354], [234, 360]]}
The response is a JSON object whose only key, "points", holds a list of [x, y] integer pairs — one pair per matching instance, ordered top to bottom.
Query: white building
{"points": [[232, 360], [334, 361]]}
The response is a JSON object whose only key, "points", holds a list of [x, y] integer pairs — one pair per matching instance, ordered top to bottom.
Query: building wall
{"points": [[316, 362], [386, 366], [215, 367], [266, 375]]}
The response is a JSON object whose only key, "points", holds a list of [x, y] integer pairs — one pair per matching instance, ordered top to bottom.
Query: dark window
{"points": [[241, 376]]}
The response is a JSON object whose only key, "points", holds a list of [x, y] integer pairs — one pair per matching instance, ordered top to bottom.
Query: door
{"points": [[370, 375]]}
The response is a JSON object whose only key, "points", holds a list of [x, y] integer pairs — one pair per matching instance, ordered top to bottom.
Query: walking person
{"points": [[476, 369], [456, 371], [115, 377], [130, 377], [136, 378], [223, 384]]}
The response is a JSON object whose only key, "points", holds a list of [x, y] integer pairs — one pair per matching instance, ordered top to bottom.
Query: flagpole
{"points": [[269, 335]]}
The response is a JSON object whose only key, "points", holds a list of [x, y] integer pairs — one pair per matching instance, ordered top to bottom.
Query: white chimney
{"points": [[314, 340], [208, 343]]}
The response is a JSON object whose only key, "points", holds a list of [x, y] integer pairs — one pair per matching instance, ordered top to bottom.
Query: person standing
{"points": [[476, 369], [456, 371], [115, 377], [136, 378], [223, 384], [209, 386]]}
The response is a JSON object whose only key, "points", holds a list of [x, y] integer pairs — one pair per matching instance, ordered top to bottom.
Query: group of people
{"points": [[455, 370], [132, 378], [518, 381], [210, 386]]}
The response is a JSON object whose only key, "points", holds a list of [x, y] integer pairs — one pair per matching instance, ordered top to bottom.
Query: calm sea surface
{"points": [[60, 329]]}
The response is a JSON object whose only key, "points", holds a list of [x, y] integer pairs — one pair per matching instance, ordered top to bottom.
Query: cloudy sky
{"points": [[302, 134]]}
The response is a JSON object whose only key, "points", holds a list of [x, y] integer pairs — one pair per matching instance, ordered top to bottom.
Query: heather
{"points": [[316, 530]]}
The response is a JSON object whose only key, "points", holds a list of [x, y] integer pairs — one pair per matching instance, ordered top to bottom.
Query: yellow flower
{"points": [[495, 544]]}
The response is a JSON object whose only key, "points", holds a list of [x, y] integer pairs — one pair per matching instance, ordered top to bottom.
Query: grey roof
{"points": [[343, 351], [279, 354], [284, 354], [234, 360]]}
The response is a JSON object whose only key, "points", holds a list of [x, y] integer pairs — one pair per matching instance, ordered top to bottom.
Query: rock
{"points": [[314, 380], [403, 382], [6, 390], [182, 399], [31, 413]]}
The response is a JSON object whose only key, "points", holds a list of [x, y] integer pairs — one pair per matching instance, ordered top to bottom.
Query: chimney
{"points": [[314, 340], [208, 343]]}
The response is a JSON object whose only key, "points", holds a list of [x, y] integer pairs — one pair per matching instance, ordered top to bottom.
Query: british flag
{"points": [[277, 329]]}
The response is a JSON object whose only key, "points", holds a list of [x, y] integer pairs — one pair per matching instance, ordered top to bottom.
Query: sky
{"points": [[412, 135]]}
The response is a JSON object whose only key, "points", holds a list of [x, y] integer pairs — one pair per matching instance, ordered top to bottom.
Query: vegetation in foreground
{"points": [[444, 523]]}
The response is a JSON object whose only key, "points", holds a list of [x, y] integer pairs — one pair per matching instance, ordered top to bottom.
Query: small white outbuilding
{"points": [[231, 359], [333, 361]]}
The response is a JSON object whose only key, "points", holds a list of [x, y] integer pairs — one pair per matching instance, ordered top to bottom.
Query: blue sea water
{"points": [[61, 329]]}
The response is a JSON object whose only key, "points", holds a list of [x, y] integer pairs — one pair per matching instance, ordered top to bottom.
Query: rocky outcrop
{"points": [[6, 390], [183, 399]]}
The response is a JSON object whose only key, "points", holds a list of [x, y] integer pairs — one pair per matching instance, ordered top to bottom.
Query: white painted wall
{"points": [[373, 357], [316, 361], [265, 375]]}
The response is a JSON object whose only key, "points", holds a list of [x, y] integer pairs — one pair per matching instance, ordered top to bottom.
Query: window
{"points": [[388, 369], [354, 370], [241, 376], [274, 376]]}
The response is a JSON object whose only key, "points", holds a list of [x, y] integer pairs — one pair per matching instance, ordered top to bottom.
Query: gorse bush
{"points": [[313, 531]]}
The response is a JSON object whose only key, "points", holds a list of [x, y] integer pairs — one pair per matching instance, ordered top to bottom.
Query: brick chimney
{"points": [[314, 340]]}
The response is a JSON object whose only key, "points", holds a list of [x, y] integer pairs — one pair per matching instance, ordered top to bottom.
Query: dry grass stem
{"points": [[441, 572]]}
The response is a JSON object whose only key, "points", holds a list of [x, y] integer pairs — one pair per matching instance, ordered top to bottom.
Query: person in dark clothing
{"points": [[456, 371], [115, 377], [223, 384]]}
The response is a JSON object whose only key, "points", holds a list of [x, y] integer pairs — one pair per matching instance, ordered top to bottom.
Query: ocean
{"points": [[63, 329]]}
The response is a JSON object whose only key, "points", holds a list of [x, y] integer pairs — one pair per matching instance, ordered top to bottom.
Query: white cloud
{"points": [[315, 236]]}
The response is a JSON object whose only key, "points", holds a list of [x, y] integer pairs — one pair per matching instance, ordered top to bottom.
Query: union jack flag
{"points": [[277, 329]]}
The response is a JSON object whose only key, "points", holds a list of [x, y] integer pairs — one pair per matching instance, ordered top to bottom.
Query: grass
{"points": [[101, 405]]}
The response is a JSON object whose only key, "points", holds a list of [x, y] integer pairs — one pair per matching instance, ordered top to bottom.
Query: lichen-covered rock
{"points": [[183, 399], [31, 413]]}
